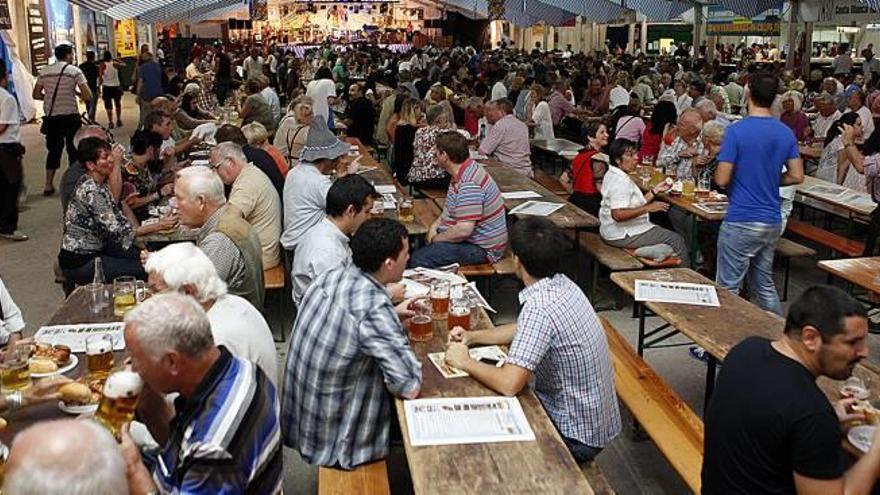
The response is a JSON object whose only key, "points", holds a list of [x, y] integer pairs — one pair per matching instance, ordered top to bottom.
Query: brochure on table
{"points": [[520, 195], [536, 208], [676, 293], [74, 336], [492, 352], [466, 420]]}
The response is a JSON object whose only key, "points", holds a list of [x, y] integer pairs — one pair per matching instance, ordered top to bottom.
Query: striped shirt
{"points": [[51, 76], [474, 197], [560, 340], [347, 351], [225, 439]]}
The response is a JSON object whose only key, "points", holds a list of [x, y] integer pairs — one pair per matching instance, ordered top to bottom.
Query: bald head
{"points": [[48, 459]]}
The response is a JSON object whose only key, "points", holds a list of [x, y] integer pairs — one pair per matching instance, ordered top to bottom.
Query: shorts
{"points": [[110, 94]]}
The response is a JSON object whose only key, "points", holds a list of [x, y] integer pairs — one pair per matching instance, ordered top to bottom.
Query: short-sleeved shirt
{"points": [[67, 82], [319, 90], [559, 106], [9, 116], [543, 119], [508, 141], [758, 147], [872, 176], [619, 191], [253, 195], [305, 197], [474, 197], [94, 221], [323, 248], [10, 315], [237, 325], [560, 340], [347, 351], [767, 419], [225, 438]]}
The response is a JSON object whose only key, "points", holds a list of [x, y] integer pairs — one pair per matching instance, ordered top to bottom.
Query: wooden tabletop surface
{"points": [[557, 145], [380, 176], [508, 180], [855, 202], [688, 204], [181, 234], [863, 272], [719, 329], [544, 466]]}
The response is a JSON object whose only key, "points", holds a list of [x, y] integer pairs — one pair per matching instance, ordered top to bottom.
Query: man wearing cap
{"points": [[306, 185]]}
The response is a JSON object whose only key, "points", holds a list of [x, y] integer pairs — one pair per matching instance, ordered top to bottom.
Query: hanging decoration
{"points": [[496, 10]]}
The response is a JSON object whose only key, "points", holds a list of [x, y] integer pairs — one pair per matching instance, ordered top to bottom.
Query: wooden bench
{"points": [[551, 182], [434, 194], [426, 211], [836, 243], [786, 249], [601, 253], [275, 283], [672, 424], [368, 479]]}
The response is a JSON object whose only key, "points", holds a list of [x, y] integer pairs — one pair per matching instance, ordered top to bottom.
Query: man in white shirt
{"points": [[253, 65], [192, 70], [322, 90], [499, 90], [271, 97], [828, 115], [11, 172], [306, 185], [325, 245], [11, 321], [235, 323]]}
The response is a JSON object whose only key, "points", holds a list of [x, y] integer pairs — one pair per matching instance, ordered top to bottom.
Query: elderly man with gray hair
{"points": [[709, 112], [828, 115], [253, 196], [227, 238], [235, 323], [221, 435], [49, 458]]}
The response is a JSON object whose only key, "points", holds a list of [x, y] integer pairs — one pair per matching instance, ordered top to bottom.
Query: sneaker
{"points": [[118, 123], [15, 236], [699, 353]]}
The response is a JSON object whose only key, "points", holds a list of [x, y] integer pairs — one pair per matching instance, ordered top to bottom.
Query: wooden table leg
{"points": [[711, 365]]}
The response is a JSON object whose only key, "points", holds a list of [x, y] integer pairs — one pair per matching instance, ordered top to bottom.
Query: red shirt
{"points": [[471, 123], [650, 144], [582, 172]]}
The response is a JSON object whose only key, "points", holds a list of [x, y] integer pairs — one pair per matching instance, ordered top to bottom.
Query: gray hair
{"points": [[826, 98], [707, 105], [434, 113], [89, 131], [713, 132], [255, 133], [231, 151], [202, 181], [184, 264], [171, 321], [54, 461]]}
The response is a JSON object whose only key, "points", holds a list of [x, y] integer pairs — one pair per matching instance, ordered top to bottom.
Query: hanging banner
{"points": [[5, 18], [723, 22], [87, 30], [37, 37], [126, 38]]}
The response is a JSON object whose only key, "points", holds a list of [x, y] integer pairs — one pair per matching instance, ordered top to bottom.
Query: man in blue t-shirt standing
{"points": [[752, 157]]}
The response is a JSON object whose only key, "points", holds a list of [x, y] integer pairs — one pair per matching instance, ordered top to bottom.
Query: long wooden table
{"points": [[557, 146], [508, 180], [850, 203], [863, 272], [719, 329], [544, 466]]}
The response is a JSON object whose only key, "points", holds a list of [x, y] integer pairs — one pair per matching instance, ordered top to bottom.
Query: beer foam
{"points": [[99, 348], [123, 384]]}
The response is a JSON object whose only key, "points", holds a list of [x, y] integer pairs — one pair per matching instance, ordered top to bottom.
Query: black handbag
{"points": [[44, 126]]}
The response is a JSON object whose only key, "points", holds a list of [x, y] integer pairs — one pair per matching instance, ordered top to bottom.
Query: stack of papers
{"points": [[385, 188], [520, 195], [536, 208], [676, 293], [74, 336], [465, 420]]}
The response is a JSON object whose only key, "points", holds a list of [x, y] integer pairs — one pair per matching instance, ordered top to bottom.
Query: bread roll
{"points": [[41, 365], [75, 393]]}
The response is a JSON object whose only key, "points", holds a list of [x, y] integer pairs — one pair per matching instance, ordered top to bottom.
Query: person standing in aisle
{"points": [[90, 70], [56, 86], [11, 153], [750, 162]]}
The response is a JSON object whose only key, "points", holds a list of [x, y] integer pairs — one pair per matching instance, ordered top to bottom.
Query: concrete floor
{"points": [[631, 467]]}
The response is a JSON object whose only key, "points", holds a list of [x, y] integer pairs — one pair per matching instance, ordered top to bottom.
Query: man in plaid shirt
{"points": [[557, 340], [347, 351]]}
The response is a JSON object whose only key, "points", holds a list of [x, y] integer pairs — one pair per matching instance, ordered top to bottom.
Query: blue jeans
{"points": [[747, 248], [445, 253], [580, 451]]}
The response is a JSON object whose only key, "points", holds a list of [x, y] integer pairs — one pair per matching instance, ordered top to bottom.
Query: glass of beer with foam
{"points": [[440, 299], [99, 355], [14, 371], [119, 400]]}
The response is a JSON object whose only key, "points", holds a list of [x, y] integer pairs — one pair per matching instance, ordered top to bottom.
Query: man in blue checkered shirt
{"points": [[557, 341], [348, 350]]}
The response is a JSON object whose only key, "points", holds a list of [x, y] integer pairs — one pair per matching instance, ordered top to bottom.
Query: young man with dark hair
{"points": [[90, 68], [697, 91], [11, 153], [759, 154], [472, 228], [325, 245], [557, 341], [348, 350], [769, 427]]}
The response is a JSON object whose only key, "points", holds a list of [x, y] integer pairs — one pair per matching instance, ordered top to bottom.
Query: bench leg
{"points": [[785, 276], [641, 344], [711, 365]]}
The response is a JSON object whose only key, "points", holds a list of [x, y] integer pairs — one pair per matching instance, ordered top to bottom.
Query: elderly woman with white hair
{"points": [[793, 116], [293, 131], [227, 238], [235, 323]]}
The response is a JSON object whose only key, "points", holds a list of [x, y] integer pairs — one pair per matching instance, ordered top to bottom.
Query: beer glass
{"points": [[704, 186], [688, 187], [405, 212], [141, 292], [123, 295], [97, 297], [440, 299], [459, 314], [421, 328], [99, 355], [14, 371], [119, 400]]}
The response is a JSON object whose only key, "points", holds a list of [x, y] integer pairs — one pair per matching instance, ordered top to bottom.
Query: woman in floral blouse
{"points": [[425, 173], [96, 226]]}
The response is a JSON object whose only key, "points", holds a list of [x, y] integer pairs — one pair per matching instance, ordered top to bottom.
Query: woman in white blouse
{"points": [[541, 115], [624, 213], [11, 321]]}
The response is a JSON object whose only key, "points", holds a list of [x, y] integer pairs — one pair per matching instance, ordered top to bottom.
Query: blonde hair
{"points": [[540, 92], [796, 97], [301, 108], [410, 112], [256, 133], [713, 133]]}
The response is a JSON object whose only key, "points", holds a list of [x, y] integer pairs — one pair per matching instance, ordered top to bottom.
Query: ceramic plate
{"points": [[71, 364], [77, 410]]}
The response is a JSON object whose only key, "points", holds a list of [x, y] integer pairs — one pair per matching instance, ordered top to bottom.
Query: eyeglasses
{"points": [[215, 166]]}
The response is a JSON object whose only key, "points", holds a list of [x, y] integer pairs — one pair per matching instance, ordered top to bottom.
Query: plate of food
{"points": [[48, 360], [79, 398], [861, 437]]}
